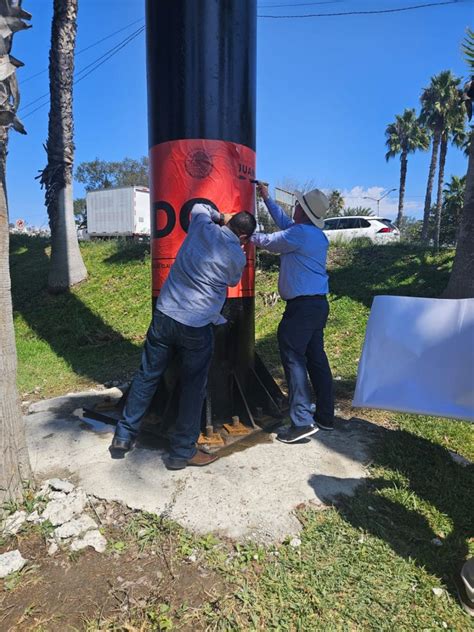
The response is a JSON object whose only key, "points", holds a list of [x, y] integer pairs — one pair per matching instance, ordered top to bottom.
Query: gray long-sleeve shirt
{"points": [[208, 262]]}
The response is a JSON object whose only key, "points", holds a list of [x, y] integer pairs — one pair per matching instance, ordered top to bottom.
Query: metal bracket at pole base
{"points": [[255, 403]]}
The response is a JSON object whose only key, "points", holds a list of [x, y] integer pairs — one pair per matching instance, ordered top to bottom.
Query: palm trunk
{"points": [[403, 177], [429, 188], [439, 196], [67, 267], [461, 281], [14, 463]]}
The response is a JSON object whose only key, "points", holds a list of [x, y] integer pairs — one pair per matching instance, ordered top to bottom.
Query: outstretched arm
{"points": [[280, 218], [279, 242]]}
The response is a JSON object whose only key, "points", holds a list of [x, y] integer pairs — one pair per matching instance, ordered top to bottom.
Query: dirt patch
{"points": [[129, 582]]}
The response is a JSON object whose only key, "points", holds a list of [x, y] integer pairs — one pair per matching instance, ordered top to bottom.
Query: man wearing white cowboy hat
{"points": [[303, 284]]}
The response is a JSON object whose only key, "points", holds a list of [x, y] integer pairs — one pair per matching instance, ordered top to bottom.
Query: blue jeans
{"points": [[301, 342], [194, 345]]}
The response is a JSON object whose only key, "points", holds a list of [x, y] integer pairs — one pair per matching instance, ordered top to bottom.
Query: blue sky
{"points": [[327, 88]]}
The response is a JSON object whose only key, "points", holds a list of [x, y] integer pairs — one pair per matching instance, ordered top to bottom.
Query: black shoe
{"points": [[327, 424], [296, 433], [121, 445], [172, 463]]}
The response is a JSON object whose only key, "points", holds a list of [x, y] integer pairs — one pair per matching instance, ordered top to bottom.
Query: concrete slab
{"points": [[250, 494]]}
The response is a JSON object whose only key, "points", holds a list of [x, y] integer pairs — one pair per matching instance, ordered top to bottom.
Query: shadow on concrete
{"points": [[71, 329], [427, 474]]}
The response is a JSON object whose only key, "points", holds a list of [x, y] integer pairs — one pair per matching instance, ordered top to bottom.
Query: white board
{"points": [[284, 197], [418, 357]]}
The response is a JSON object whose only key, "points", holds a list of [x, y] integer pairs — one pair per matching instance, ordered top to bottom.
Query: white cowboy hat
{"points": [[315, 204]]}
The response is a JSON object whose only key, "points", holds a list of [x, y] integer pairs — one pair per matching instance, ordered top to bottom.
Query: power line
{"points": [[299, 4], [371, 12], [139, 32], [116, 47], [83, 50], [111, 52], [105, 56], [102, 59]]}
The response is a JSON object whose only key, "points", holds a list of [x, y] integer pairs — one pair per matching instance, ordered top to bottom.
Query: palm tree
{"points": [[440, 103], [456, 133], [404, 137], [453, 198], [336, 204], [66, 267], [461, 281], [14, 464]]}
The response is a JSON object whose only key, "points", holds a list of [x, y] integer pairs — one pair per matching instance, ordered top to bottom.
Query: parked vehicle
{"points": [[122, 212], [378, 229], [82, 234]]}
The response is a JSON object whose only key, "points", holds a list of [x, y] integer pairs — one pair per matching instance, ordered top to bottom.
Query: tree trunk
{"points": [[403, 177], [429, 187], [439, 196], [66, 267], [461, 281], [14, 463]]}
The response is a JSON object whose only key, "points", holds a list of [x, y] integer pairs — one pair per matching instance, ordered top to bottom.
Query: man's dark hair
{"points": [[243, 223]]}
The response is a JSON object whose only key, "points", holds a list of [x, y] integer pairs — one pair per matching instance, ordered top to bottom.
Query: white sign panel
{"points": [[284, 197], [418, 357]]}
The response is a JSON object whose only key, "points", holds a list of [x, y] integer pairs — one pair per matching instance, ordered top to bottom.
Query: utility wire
{"points": [[299, 4], [371, 12], [139, 32], [83, 50], [111, 52], [101, 61], [93, 65]]}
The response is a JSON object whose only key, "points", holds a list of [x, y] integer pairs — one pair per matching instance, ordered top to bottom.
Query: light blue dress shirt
{"points": [[303, 249], [208, 262]]}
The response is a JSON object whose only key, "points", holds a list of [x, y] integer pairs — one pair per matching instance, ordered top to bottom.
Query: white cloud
{"points": [[388, 206]]}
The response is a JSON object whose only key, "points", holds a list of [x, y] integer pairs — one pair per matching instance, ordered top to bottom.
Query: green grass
{"points": [[88, 336], [369, 562]]}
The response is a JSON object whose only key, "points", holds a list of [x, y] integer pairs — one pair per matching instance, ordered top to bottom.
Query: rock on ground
{"points": [[60, 486], [63, 510], [35, 518], [14, 523], [75, 527], [92, 538], [53, 548], [10, 562]]}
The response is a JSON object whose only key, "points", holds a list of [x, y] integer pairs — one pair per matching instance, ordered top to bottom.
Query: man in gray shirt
{"points": [[209, 261]]}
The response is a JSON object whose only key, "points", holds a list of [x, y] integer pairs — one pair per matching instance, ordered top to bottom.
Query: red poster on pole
{"points": [[186, 172]]}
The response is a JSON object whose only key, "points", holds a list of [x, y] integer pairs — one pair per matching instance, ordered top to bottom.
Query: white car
{"points": [[377, 229]]}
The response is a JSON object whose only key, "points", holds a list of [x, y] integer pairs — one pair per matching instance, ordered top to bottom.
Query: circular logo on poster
{"points": [[198, 163]]}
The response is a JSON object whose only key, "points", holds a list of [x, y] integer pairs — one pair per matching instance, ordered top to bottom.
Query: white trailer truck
{"points": [[121, 212]]}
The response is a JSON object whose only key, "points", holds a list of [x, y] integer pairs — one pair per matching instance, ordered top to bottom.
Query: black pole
{"points": [[201, 113]]}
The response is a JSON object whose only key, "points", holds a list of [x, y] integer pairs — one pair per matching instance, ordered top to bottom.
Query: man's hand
{"points": [[263, 190]]}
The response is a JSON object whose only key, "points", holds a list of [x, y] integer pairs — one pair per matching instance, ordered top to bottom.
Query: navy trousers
{"points": [[301, 342], [194, 345]]}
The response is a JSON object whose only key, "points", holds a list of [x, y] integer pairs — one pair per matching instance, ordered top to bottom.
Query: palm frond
{"points": [[467, 48]]}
